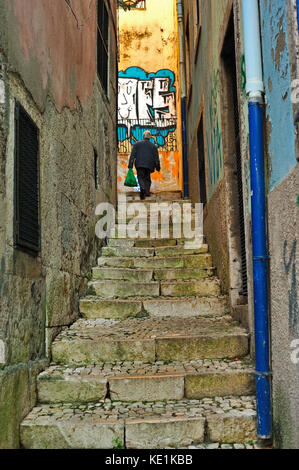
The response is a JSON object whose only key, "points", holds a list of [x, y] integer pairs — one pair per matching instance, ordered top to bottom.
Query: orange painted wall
{"points": [[149, 41]]}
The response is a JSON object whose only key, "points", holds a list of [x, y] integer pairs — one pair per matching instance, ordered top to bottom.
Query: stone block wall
{"points": [[48, 65]]}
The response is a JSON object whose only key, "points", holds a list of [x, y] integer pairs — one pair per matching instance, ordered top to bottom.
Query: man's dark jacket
{"points": [[145, 155]]}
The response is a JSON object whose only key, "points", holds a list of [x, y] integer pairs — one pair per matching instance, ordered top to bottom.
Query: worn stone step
{"points": [[171, 209], [156, 218], [155, 231], [124, 234], [121, 242], [159, 242], [144, 243], [168, 251], [179, 251], [127, 252], [187, 261], [182, 273], [125, 274], [139, 274], [199, 287], [129, 288], [124, 289], [95, 307], [186, 307], [150, 339], [145, 381], [157, 425]]}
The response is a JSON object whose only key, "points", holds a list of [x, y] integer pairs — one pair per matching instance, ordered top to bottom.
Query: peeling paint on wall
{"points": [[279, 94]]}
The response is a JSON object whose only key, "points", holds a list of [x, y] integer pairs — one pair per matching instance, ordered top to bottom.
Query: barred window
{"points": [[102, 43], [27, 226]]}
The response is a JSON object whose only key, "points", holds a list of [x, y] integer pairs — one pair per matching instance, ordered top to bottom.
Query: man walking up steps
{"points": [[146, 159]]}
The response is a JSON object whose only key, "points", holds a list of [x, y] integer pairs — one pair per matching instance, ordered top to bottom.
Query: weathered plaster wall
{"points": [[62, 57], [280, 60], [48, 64], [277, 79], [206, 83], [149, 88], [203, 95], [210, 96], [284, 277]]}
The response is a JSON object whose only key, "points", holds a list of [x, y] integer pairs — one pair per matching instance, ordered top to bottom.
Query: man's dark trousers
{"points": [[144, 179]]}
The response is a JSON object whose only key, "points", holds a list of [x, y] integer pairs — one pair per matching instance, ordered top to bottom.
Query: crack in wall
{"points": [[85, 21]]}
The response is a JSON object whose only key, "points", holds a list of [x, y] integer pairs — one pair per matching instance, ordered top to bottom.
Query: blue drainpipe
{"points": [[180, 14], [298, 14], [255, 90]]}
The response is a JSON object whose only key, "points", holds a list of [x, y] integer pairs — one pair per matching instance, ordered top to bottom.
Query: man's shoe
{"points": [[142, 196]]}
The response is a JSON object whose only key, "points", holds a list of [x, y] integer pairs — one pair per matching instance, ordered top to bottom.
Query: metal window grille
{"points": [[102, 43], [164, 133], [27, 227]]}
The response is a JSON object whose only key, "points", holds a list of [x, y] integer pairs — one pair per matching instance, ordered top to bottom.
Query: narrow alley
{"points": [[160, 313], [151, 364]]}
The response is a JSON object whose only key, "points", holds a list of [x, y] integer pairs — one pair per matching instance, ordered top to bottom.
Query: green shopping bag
{"points": [[130, 179]]}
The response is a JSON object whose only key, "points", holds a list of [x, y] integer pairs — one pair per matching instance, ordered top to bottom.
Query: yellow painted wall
{"points": [[148, 41]]}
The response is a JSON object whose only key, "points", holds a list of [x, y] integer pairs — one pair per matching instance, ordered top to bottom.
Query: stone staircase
{"points": [[156, 361]]}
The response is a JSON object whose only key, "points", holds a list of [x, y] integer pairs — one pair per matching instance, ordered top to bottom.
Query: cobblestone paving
{"points": [[150, 328], [107, 369], [107, 409], [164, 417], [218, 445]]}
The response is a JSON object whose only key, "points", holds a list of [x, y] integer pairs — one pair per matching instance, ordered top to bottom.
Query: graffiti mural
{"points": [[147, 101], [214, 137]]}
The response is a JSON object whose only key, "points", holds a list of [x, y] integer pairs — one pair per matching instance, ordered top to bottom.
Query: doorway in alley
{"points": [[233, 166]]}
